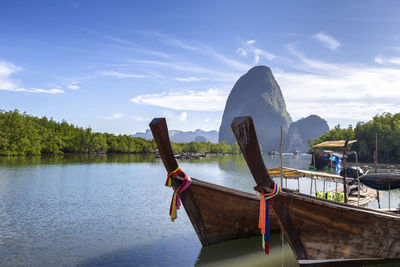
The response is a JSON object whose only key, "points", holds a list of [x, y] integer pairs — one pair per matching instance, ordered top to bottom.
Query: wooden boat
{"points": [[381, 181], [366, 195], [217, 213], [321, 231]]}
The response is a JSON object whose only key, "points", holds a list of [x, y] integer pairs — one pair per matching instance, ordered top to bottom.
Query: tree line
{"points": [[387, 128], [26, 135]]}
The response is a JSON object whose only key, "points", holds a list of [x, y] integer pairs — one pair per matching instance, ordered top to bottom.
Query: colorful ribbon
{"points": [[175, 202], [263, 220]]}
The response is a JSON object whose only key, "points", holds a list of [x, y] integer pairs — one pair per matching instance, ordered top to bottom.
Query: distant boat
{"points": [[296, 152]]}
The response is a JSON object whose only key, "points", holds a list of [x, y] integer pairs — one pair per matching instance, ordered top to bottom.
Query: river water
{"points": [[112, 210]]}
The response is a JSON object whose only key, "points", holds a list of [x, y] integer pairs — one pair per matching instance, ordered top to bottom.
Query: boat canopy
{"points": [[338, 143], [295, 173], [381, 181]]}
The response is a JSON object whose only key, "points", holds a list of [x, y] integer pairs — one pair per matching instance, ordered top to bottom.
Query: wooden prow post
{"points": [[159, 129], [245, 133], [344, 163]]}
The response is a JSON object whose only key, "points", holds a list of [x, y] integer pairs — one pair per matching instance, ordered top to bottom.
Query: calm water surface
{"points": [[112, 210]]}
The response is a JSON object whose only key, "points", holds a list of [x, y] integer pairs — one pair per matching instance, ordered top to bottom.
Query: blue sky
{"points": [[114, 65]]}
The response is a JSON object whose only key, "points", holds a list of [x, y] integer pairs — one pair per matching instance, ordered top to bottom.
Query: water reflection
{"points": [[78, 158], [247, 252]]}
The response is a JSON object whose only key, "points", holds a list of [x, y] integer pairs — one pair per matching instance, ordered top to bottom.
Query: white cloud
{"points": [[327, 41], [129, 45], [202, 49], [241, 52], [258, 53], [379, 60], [387, 60], [230, 62], [312, 65], [6, 70], [122, 75], [212, 75], [189, 79], [8, 84], [73, 87], [39, 90], [350, 92], [209, 100], [114, 116], [183, 116], [141, 118], [207, 120]]}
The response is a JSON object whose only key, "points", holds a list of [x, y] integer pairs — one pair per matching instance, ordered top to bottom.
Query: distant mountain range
{"points": [[184, 137]]}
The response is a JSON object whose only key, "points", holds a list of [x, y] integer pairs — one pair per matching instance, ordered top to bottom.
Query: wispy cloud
{"points": [[327, 40], [171, 41], [130, 45], [201, 49], [241, 52], [258, 53], [261, 53], [387, 60], [311, 65], [191, 68], [6, 70], [123, 75], [189, 79], [8, 84], [73, 87], [39, 90], [340, 91], [209, 100], [114, 116], [183, 116], [141, 118]]}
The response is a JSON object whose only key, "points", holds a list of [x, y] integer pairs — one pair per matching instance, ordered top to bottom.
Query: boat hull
{"points": [[219, 213], [324, 230]]}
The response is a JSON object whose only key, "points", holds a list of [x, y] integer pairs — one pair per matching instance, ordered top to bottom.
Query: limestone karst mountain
{"points": [[257, 94], [302, 130]]}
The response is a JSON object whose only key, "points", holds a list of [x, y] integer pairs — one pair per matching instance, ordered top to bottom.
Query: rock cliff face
{"points": [[257, 94], [302, 130]]}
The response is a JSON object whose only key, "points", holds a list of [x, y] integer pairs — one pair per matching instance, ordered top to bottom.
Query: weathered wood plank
{"points": [[248, 140]]}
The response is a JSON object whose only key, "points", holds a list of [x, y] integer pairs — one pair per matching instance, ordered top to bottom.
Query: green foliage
{"points": [[386, 126], [25, 135]]}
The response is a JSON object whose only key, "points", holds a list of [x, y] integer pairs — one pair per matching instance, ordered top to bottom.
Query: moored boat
{"points": [[217, 213], [319, 230]]}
